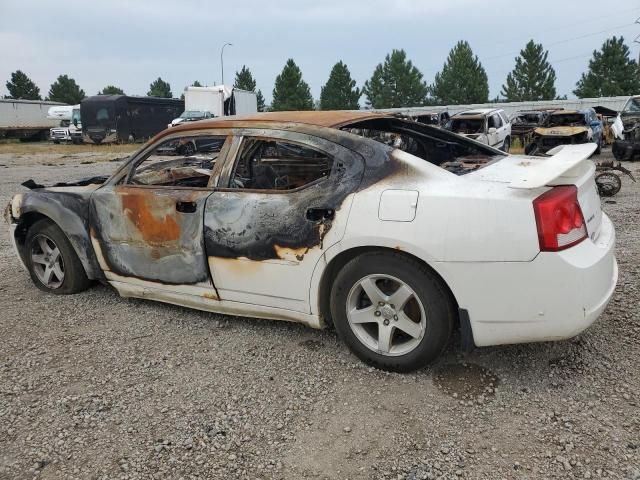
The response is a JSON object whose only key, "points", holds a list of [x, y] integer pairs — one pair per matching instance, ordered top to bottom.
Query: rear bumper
{"points": [[554, 297]]}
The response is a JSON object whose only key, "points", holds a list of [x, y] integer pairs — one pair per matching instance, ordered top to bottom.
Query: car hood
{"points": [[560, 131]]}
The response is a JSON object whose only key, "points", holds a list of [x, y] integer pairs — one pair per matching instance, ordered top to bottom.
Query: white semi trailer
{"points": [[219, 101], [26, 119]]}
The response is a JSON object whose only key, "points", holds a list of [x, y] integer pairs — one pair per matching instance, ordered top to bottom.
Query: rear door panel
{"points": [[263, 246]]}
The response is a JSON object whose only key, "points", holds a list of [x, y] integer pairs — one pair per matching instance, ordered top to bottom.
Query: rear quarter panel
{"points": [[458, 219]]}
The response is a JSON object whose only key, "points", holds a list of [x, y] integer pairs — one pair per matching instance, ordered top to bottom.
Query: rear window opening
{"points": [[439, 147]]}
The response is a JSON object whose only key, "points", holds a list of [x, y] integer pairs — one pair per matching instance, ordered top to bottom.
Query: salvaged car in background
{"points": [[439, 119], [524, 122], [486, 125], [566, 127], [626, 146], [350, 219]]}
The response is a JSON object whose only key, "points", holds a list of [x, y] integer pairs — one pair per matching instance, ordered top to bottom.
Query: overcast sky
{"points": [[131, 43]]}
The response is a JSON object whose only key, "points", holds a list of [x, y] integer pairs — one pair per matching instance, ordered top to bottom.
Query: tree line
{"points": [[397, 82]]}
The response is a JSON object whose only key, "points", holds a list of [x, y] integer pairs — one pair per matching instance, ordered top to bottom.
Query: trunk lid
{"points": [[567, 165]]}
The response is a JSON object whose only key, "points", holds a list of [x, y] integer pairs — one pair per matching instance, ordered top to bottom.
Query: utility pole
{"points": [[222, 60]]}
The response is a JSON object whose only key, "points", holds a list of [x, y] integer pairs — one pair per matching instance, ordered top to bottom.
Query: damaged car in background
{"points": [[485, 125], [566, 127], [626, 129], [394, 232]]}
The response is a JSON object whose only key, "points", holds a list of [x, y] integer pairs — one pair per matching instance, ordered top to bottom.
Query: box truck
{"points": [[219, 101], [70, 127]]}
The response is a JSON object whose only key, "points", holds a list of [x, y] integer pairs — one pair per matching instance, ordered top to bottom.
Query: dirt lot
{"points": [[95, 386]]}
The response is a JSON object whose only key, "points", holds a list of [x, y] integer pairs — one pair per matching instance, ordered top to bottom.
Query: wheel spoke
{"points": [[44, 245], [55, 254], [39, 258], [57, 271], [46, 276], [372, 291], [400, 297], [363, 315], [408, 326], [385, 336]]}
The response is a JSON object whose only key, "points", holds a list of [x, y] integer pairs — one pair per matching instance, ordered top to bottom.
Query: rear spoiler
{"points": [[534, 172]]}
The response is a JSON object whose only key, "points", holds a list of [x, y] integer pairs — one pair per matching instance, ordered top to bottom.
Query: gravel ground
{"points": [[96, 386]]}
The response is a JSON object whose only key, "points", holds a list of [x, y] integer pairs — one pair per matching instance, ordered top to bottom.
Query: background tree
{"points": [[611, 72], [533, 77], [462, 79], [245, 81], [396, 83], [22, 87], [160, 88], [65, 90], [111, 90], [340, 91], [291, 92]]}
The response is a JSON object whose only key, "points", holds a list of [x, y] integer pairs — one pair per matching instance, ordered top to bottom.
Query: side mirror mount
{"points": [[492, 130]]}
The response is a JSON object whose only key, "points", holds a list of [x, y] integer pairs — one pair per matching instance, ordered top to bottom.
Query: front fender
{"points": [[68, 210]]}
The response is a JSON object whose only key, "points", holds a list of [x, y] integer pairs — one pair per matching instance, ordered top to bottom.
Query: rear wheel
{"points": [[52, 262], [391, 311]]}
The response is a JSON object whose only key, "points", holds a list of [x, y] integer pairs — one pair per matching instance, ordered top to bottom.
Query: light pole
{"points": [[222, 59]]}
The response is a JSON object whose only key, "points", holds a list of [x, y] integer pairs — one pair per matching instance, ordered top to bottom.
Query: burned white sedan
{"points": [[392, 231]]}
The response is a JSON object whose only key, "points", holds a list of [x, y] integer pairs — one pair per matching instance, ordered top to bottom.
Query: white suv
{"points": [[490, 126]]}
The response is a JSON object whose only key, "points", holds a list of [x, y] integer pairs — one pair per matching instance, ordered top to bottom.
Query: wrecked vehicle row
{"points": [[627, 144], [392, 231]]}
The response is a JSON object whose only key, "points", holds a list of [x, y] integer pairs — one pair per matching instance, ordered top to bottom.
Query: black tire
{"points": [[506, 145], [599, 148], [608, 184], [75, 278], [439, 308]]}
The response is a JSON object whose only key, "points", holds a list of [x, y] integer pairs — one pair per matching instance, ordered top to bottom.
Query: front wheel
{"points": [[52, 262], [391, 311]]}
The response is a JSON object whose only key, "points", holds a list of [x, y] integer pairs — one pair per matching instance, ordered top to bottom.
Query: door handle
{"points": [[186, 207], [320, 214]]}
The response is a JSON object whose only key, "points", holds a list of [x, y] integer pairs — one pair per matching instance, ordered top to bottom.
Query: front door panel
{"points": [[151, 234]]}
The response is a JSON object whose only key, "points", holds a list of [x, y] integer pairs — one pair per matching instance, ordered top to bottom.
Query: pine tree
{"points": [[611, 72], [533, 77], [462, 79], [245, 81], [196, 83], [396, 83], [21, 87], [160, 88], [66, 90], [111, 90], [340, 91], [291, 92], [260, 99]]}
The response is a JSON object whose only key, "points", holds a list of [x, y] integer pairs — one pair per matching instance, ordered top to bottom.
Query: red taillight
{"points": [[559, 218]]}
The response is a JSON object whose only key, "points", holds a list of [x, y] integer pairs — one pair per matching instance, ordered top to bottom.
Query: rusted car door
{"points": [[283, 199], [148, 228]]}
